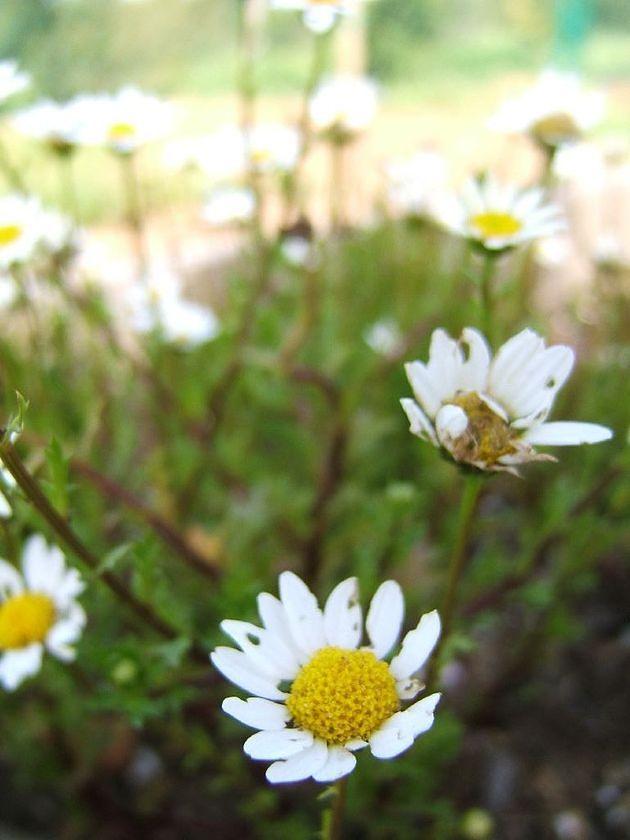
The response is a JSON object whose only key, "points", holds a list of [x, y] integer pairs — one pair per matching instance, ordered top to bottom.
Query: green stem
{"points": [[337, 159], [69, 186], [135, 221], [487, 296], [468, 504], [333, 818]]}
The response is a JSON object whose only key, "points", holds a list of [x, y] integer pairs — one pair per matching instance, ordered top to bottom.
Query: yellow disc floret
{"points": [[554, 129], [121, 131], [492, 225], [9, 233], [25, 619], [342, 695]]}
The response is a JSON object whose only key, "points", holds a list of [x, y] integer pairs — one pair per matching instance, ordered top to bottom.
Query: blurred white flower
{"points": [[319, 15], [12, 80], [343, 106], [555, 110], [124, 121], [59, 125], [417, 185], [226, 206], [500, 216], [27, 229], [610, 252], [8, 292], [156, 305], [384, 337], [487, 412], [7, 482], [38, 611], [342, 697]]}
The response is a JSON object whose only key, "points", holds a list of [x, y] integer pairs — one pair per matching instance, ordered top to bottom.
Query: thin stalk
{"points": [[337, 160], [16, 182], [68, 185], [135, 218], [487, 296], [65, 533], [459, 554], [332, 821]]}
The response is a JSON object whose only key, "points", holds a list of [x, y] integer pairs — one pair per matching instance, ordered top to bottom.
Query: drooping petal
{"points": [[419, 423], [567, 433], [11, 582], [343, 616], [385, 617], [305, 618], [65, 633], [417, 646], [266, 651], [17, 665], [237, 667], [257, 712], [398, 733], [277, 744], [340, 762], [300, 766]]}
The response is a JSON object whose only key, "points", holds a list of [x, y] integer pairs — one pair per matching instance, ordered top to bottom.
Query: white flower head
{"points": [[319, 15], [12, 80], [343, 106], [555, 110], [124, 121], [60, 126], [271, 147], [417, 184], [229, 205], [500, 216], [27, 229], [156, 305], [384, 337], [490, 413], [38, 611], [317, 695]]}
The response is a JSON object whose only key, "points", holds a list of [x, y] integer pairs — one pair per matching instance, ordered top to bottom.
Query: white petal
{"points": [[516, 352], [445, 364], [474, 371], [534, 387], [425, 389], [419, 423], [451, 423], [567, 434], [5, 507], [43, 566], [11, 582], [342, 615], [385, 617], [274, 618], [305, 618], [65, 633], [417, 646], [266, 651], [17, 665], [236, 667], [409, 688], [257, 713], [419, 716], [399, 732], [282, 743], [355, 744], [340, 762], [299, 766]]}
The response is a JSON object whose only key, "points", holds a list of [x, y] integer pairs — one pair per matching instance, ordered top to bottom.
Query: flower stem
{"points": [[134, 210], [487, 296], [468, 504], [333, 817]]}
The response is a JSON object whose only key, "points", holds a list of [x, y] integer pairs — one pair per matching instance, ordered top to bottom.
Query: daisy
{"points": [[319, 15], [12, 81], [343, 106], [555, 110], [124, 121], [58, 125], [271, 147], [417, 184], [229, 205], [497, 216], [27, 230], [156, 305], [489, 413], [38, 611], [317, 695]]}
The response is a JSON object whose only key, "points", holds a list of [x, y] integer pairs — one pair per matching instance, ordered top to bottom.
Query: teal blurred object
{"points": [[573, 23]]}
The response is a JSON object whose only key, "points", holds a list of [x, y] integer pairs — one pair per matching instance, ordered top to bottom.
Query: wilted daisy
{"points": [[319, 15], [12, 80], [343, 106], [555, 110], [125, 121], [58, 125], [418, 184], [229, 206], [500, 216], [156, 305], [487, 412], [38, 611], [317, 695]]}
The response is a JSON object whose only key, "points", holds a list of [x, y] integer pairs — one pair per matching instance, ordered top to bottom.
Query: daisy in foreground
{"points": [[497, 217], [489, 413], [38, 611], [319, 697]]}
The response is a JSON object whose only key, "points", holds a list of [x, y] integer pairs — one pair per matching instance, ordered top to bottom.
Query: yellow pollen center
{"points": [[554, 129], [121, 131], [491, 224], [9, 233], [487, 438], [25, 619], [342, 695]]}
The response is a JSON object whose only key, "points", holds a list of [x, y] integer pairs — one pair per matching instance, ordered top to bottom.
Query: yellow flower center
{"points": [[554, 129], [121, 131], [260, 155], [491, 225], [9, 233], [487, 438], [25, 619], [341, 695]]}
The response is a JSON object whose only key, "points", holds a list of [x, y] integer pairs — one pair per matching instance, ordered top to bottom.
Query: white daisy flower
{"points": [[319, 15], [12, 80], [343, 106], [555, 110], [124, 121], [58, 125], [271, 147], [417, 185], [229, 205], [500, 216], [27, 229], [156, 304], [490, 413], [38, 611], [317, 695]]}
